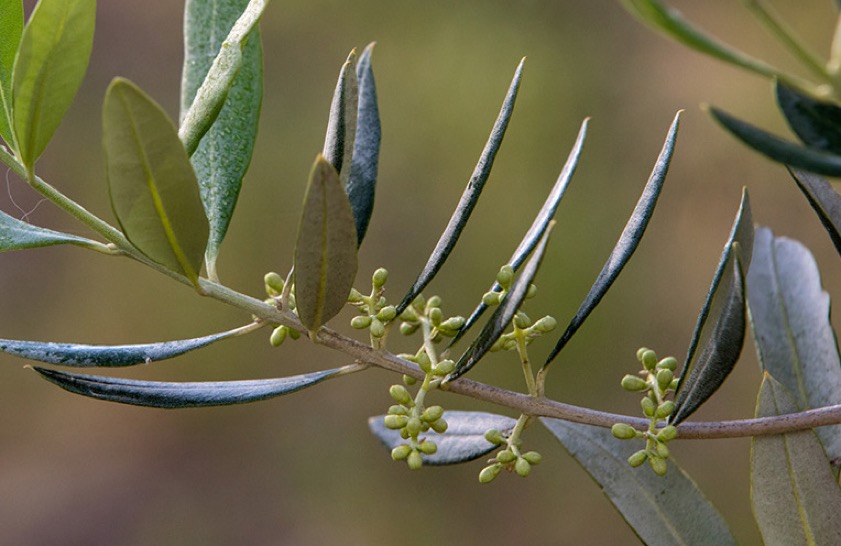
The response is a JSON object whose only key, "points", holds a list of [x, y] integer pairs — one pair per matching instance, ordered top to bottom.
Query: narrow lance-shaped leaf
{"points": [[11, 28], [50, 65], [213, 92], [817, 123], [341, 125], [779, 149], [224, 153], [362, 181], [152, 184], [824, 199], [468, 200], [538, 226], [18, 235], [628, 241], [325, 253], [789, 312], [504, 313], [720, 331], [111, 356], [156, 394], [464, 440], [796, 499], [662, 510]]}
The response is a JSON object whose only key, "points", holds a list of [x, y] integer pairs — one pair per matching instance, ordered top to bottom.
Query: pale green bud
{"points": [[505, 276], [379, 278], [274, 283], [531, 291], [355, 296], [491, 298], [419, 301], [434, 301], [387, 314], [409, 315], [436, 316], [522, 320], [361, 322], [452, 324], [546, 324], [377, 328], [408, 328], [294, 334], [278, 336], [509, 344], [497, 346], [641, 351], [649, 359], [668, 363], [445, 367], [664, 378], [409, 380], [634, 383], [673, 385], [401, 395], [649, 407], [665, 409], [398, 410], [432, 414], [395, 422], [414, 426], [439, 426], [623, 431], [404, 433], [667, 433], [494, 436], [428, 448], [662, 450], [400, 452], [506, 456], [533, 457], [638, 458], [414, 460], [658, 465], [522, 467], [489, 473]]}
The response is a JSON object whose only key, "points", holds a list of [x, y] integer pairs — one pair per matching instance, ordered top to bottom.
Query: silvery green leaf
{"points": [[341, 126], [17, 235]]}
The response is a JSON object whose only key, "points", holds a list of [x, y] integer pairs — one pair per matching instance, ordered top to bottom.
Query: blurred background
{"points": [[303, 469]]}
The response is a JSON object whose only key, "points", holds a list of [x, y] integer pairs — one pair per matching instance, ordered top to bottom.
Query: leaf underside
{"points": [[341, 125], [18, 235]]}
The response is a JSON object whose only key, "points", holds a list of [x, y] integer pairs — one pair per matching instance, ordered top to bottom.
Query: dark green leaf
{"points": [[11, 28], [51, 63], [213, 92], [817, 123], [341, 126], [778, 149], [224, 153], [362, 182], [153, 187], [469, 198], [824, 199], [538, 226], [17, 235], [628, 241], [325, 254], [504, 313], [789, 314], [720, 331], [74, 354], [157, 394], [464, 440], [795, 497], [662, 510]]}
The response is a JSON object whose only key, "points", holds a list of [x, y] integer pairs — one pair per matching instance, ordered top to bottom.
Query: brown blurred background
{"points": [[303, 470]]}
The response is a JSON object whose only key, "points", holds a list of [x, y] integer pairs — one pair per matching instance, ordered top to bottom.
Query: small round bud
{"points": [[505, 276], [379, 278], [274, 283], [531, 291], [355, 296], [491, 298], [419, 301], [434, 301], [387, 314], [409, 315], [436, 316], [522, 320], [361, 322], [452, 324], [546, 324], [377, 328], [408, 328], [294, 334], [278, 336], [509, 344], [641, 351], [649, 359], [424, 362], [668, 363], [445, 367], [664, 378], [408, 380], [634, 383], [673, 385], [400, 395], [649, 407], [665, 409], [398, 410], [432, 413], [395, 422], [414, 426], [439, 426], [623, 431], [404, 433], [667, 433], [494, 436], [428, 448], [662, 450], [400, 452], [506, 456], [533, 457], [638, 458], [414, 460], [658, 465], [522, 467], [489, 473]]}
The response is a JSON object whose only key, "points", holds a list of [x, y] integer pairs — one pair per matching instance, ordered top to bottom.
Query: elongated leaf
{"points": [[11, 28], [51, 63], [213, 92], [817, 123], [341, 126], [779, 149], [224, 153], [362, 182], [153, 187], [824, 199], [468, 200], [538, 226], [17, 235], [628, 241], [325, 254], [789, 312], [504, 313], [720, 331], [111, 356], [156, 394], [464, 440], [795, 497], [662, 510]]}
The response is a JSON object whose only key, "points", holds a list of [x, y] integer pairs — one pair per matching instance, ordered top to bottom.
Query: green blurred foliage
{"points": [[303, 469]]}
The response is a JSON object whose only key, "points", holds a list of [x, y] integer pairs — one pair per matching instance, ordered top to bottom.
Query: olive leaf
{"points": [[11, 28], [51, 62], [816, 123], [341, 125], [224, 153], [153, 188], [468, 200], [824, 200], [18, 235], [628, 241], [325, 252], [789, 316], [720, 330], [156, 394], [463, 441], [796, 499], [662, 510]]}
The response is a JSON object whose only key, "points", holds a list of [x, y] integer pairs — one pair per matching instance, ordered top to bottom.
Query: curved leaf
{"points": [[11, 28], [50, 65], [213, 92], [817, 123], [341, 125], [778, 149], [224, 153], [362, 181], [152, 184], [469, 198], [824, 200], [538, 226], [18, 235], [628, 241], [325, 253], [504, 313], [789, 315], [720, 331], [111, 356], [156, 394], [464, 440], [796, 499], [662, 510]]}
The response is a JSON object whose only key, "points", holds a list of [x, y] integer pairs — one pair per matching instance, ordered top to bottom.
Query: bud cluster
{"points": [[274, 285], [429, 310], [374, 313], [412, 420], [509, 458]]}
